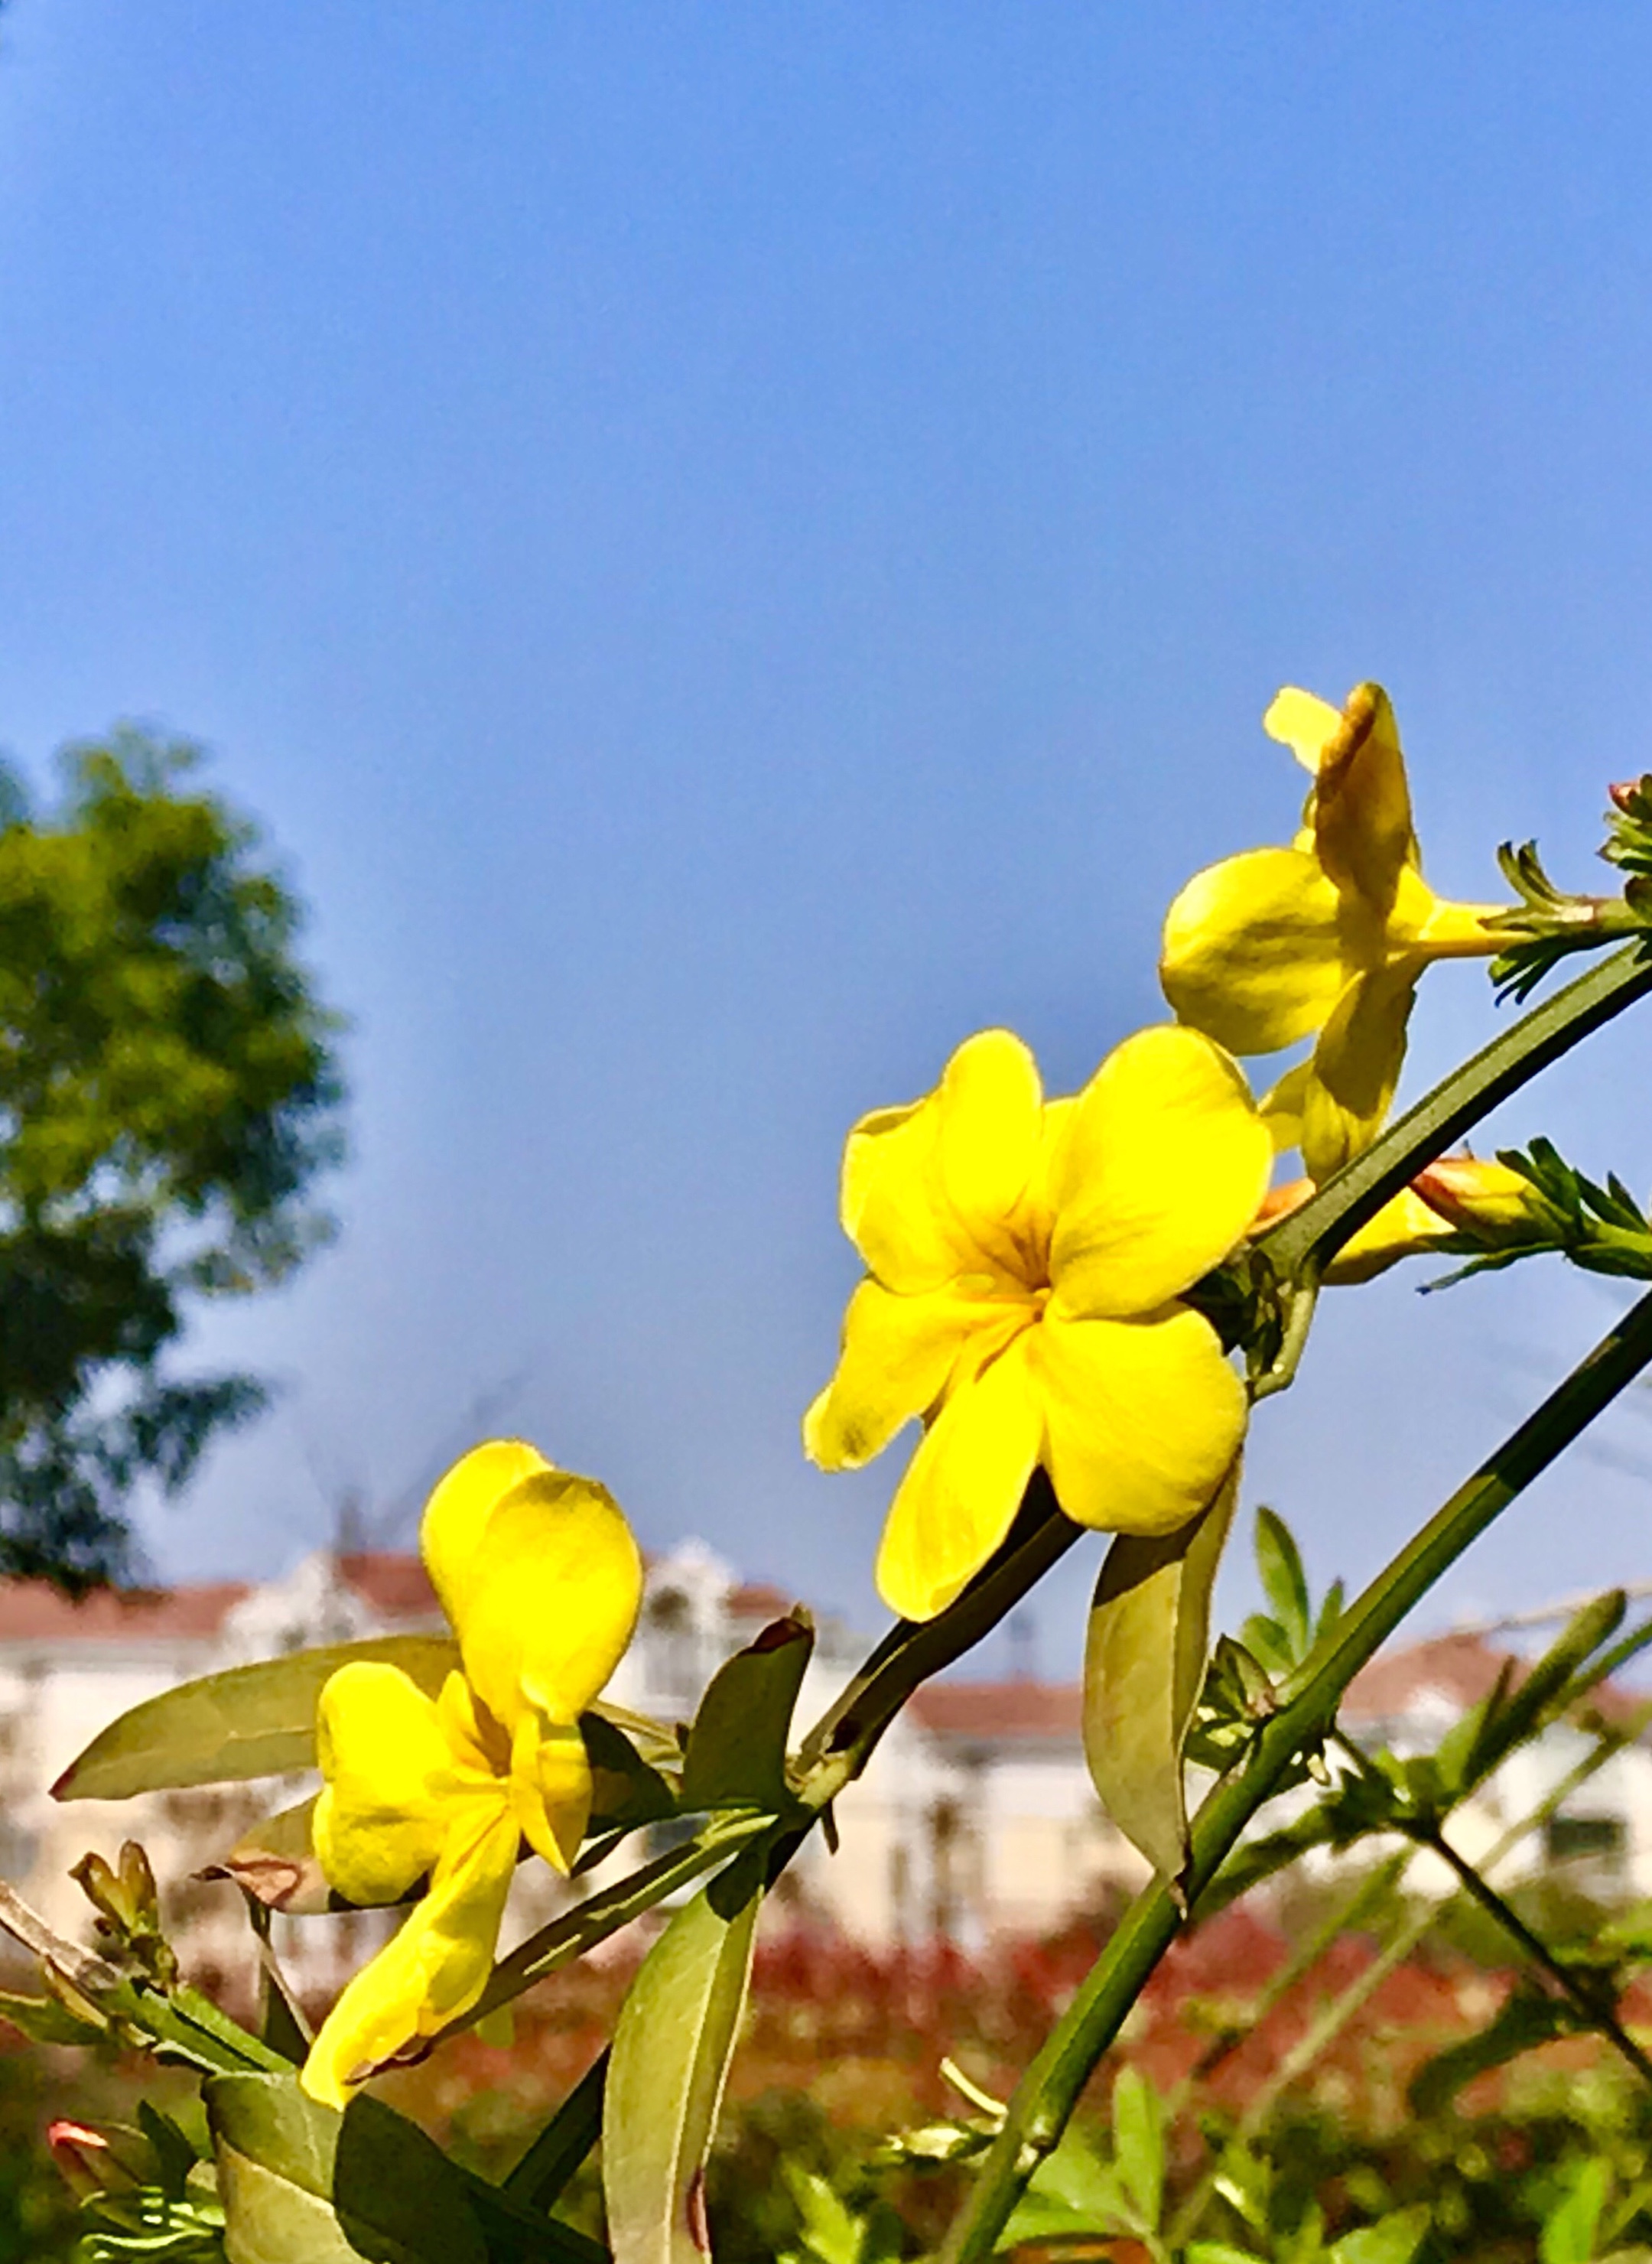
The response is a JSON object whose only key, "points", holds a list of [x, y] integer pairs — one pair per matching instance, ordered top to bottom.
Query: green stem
{"points": [[1303, 1242], [1589, 2006], [1046, 2096], [552, 2158]]}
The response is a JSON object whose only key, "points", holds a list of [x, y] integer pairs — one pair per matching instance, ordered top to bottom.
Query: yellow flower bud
{"points": [[1482, 1199]]}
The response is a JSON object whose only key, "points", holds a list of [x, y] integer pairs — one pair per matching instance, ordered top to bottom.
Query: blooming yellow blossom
{"points": [[1329, 936], [1025, 1261], [540, 1578]]}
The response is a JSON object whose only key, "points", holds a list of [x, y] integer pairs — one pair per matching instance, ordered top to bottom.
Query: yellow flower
{"points": [[1329, 935], [1025, 1265], [540, 1576]]}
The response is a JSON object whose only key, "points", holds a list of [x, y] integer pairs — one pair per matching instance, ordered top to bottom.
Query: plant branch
{"points": [[1586, 2001], [1342, 2008], [1045, 2098]]}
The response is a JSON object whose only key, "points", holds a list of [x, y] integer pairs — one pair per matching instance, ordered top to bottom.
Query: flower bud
{"points": [[1483, 1199], [83, 2156]]}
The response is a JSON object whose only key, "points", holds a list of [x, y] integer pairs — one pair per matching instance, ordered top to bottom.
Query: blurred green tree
{"points": [[168, 1094]]}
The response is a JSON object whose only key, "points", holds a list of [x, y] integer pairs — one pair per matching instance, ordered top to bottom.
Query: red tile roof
{"points": [[396, 1586], [755, 1599], [31, 1611], [1462, 1669], [999, 1709]]}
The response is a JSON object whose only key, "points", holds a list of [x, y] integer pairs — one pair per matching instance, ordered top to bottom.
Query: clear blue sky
{"points": [[732, 545]]}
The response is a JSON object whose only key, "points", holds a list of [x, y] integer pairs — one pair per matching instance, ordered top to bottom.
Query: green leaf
{"points": [[1284, 1582], [1144, 1662], [250, 1720], [736, 1748], [626, 1790], [46, 2020], [672, 2048], [1138, 2143], [275, 2150], [1075, 2178], [303, 2185], [1073, 2196], [1569, 2229], [832, 2233], [1393, 2239], [1219, 2252]]}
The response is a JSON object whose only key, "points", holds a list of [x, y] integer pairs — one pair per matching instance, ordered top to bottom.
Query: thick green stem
{"points": [[1304, 1241], [1046, 2095]]}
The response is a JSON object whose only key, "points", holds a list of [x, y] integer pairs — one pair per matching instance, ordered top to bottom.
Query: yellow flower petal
{"points": [[1304, 724], [1362, 806], [1254, 950], [1355, 1068], [1282, 1106], [991, 1120], [1161, 1173], [927, 1189], [890, 1201], [1403, 1226], [897, 1355], [1141, 1417], [962, 1488], [460, 1507], [550, 1598], [550, 1788], [382, 1817], [436, 1966]]}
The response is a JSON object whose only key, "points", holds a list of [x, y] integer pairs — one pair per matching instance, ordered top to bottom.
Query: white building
{"points": [[975, 1818]]}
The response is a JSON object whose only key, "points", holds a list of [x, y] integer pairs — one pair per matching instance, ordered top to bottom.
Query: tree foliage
{"points": [[168, 1094]]}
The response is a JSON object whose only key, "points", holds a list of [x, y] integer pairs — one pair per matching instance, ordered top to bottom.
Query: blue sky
{"points": [[732, 545]]}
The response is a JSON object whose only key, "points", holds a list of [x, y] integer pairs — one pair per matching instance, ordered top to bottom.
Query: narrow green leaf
{"points": [[1284, 1582], [1268, 1644], [1144, 1662], [1548, 1684], [248, 1722], [736, 1748], [46, 2020], [672, 2048], [1138, 2143], [1569, 2229], [832, 2233], [1393, 2239]]}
